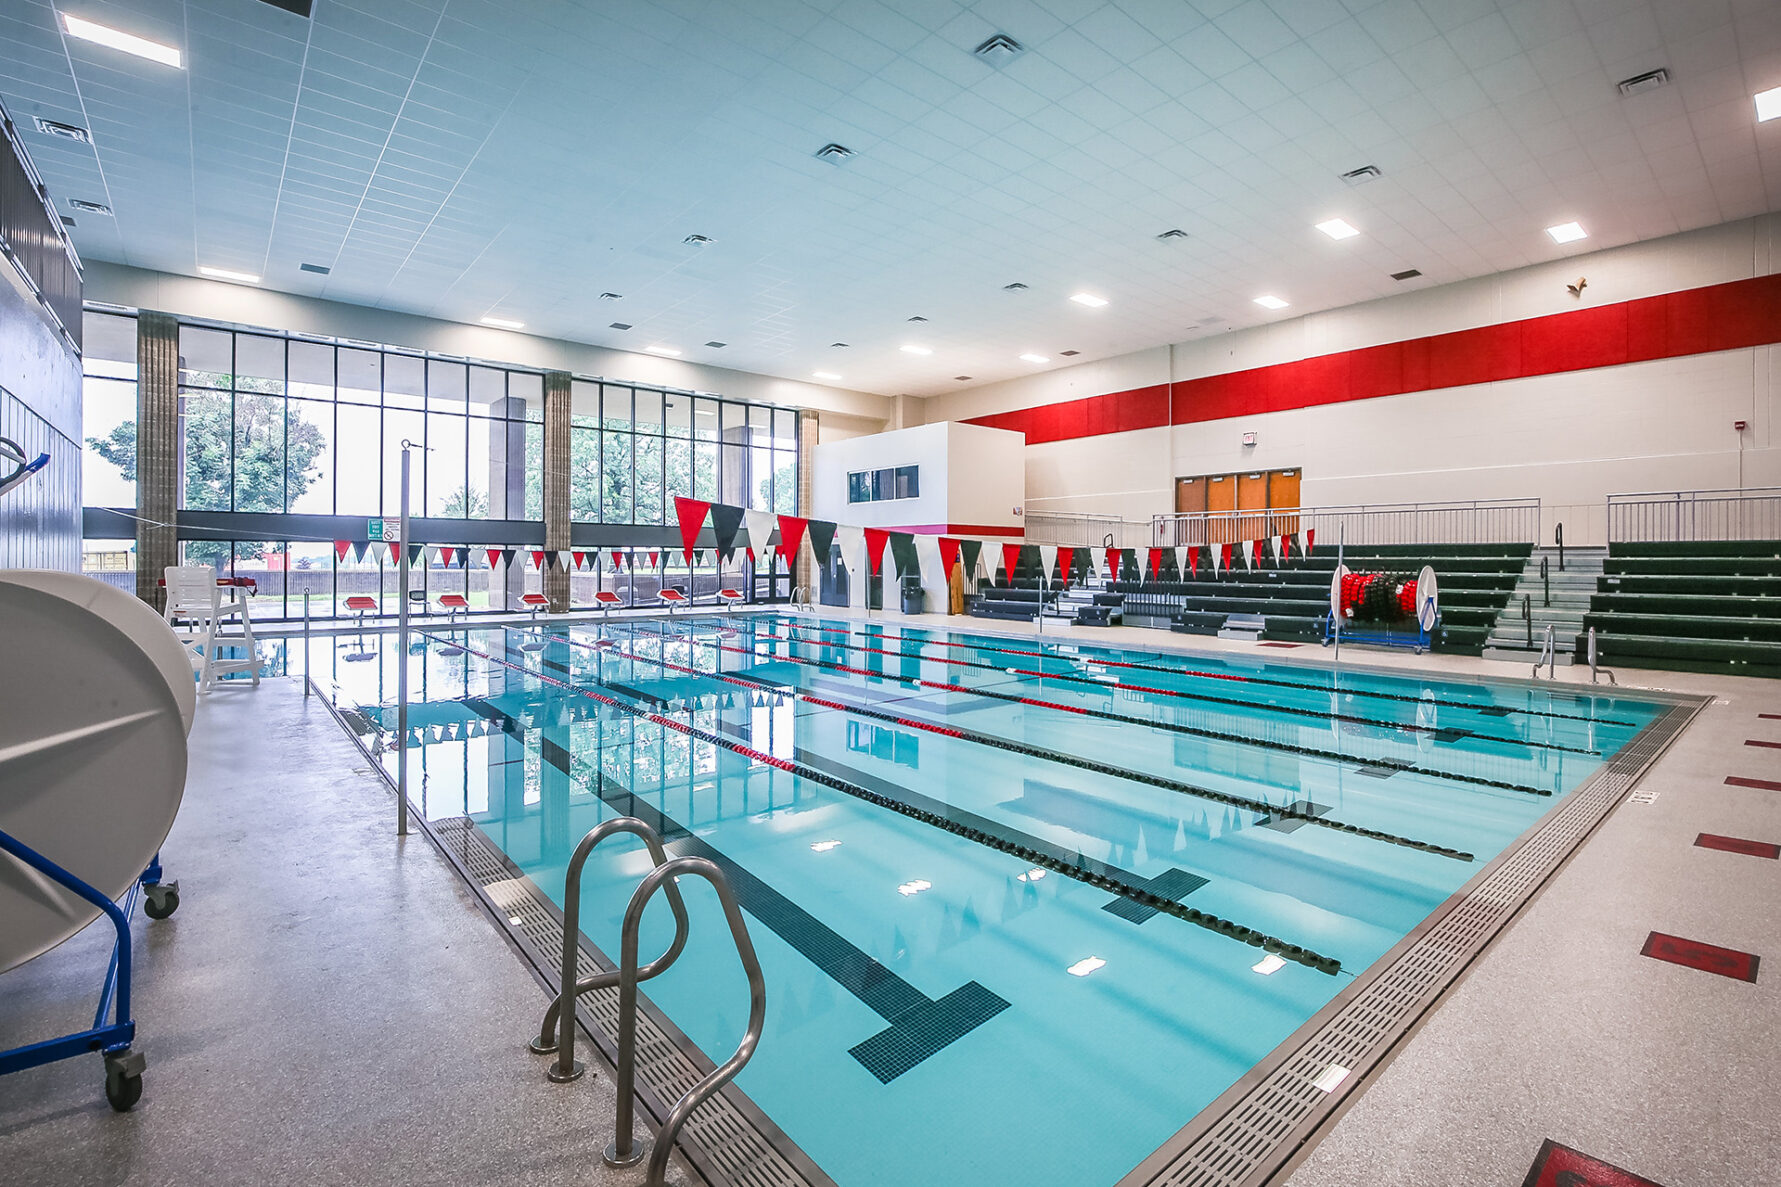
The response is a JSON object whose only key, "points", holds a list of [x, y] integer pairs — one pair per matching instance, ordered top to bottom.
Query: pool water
{"points": [[1024, 906]]}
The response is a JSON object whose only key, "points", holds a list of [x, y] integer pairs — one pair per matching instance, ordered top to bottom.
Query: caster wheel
{"points": [[160, 901], [123, 1092]]}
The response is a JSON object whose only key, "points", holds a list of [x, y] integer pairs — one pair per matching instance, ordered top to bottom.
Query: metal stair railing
{"points": [[622, 1152]]}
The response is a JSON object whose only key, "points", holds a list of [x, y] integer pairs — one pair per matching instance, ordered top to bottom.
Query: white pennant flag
{"points": [[760, 527], [853, 547], [1248, 547], [1048, 560], [1181, 563]]}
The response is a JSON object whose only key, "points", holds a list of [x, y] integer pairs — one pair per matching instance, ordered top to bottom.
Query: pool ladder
{"points": [[557, 1032]]}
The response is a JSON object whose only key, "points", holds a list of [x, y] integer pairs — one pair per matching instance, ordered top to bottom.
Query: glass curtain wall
{"points": [[291, 426]]}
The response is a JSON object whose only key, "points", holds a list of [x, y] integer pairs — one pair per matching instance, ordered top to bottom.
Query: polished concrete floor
{"points": [[331, 1004], [328, 1006]]}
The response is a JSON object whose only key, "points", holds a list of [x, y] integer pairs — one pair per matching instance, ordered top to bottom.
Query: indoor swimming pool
{"points": [[1025, 906]]}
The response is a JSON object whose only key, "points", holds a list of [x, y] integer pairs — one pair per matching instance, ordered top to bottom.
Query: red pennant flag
{"points": [[691, 513], [791, 535], [876, 539], [1310, 539], [342, 547], [1257, 547], [1285, 548], [1225, 553], [1065, 554], [447, 555], [494, 555], [949, 555], [538, 558], [580, 558], [1010, 558], [655, 559], [1193, 562], [1156, 563], [1113, 564]]}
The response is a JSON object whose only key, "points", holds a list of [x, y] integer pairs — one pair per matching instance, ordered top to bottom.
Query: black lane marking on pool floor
{"points": [[1087, 657], [1109, 715], [1262, 807], [1295, 816], [1079, 871], [1171, 884], [920, 1026], [1560, 1166]]}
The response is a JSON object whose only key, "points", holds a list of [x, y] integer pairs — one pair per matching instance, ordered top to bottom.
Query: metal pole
{"points": [[1336, 610], [305, 642], [402, 664]]}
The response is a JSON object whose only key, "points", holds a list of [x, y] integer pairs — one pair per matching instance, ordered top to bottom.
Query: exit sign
{"points": [[387, 530]]}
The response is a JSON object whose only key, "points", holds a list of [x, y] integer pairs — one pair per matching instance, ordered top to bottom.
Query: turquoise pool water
{"points": [[1014, 899]]}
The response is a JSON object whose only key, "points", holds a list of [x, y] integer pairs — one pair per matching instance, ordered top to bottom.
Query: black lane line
{"points": [[1265, 706], [1493, 710], [1108, 715], [1262, 807], [1224, 927], [920, 1026]]}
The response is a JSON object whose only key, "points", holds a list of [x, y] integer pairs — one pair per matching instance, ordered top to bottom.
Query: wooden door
{"points": [[1283, 491], [1252, 495], [1221, 496], [1190, 500]]}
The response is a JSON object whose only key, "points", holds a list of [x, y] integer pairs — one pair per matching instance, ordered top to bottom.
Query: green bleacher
{"points": [[1695, 606]]}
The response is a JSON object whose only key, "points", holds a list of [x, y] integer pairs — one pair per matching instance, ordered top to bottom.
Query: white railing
{"points": [[1753, 513], [1476, 521], [1090, 531]]}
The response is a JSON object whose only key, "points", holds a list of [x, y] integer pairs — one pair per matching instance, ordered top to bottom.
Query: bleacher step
{"points": [[1245, 627]]}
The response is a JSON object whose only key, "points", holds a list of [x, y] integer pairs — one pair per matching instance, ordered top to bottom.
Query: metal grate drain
{"points": [[1246, 1136]]}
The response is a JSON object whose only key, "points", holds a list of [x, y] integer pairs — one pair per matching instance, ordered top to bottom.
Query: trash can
{"points": [[914, 601]]}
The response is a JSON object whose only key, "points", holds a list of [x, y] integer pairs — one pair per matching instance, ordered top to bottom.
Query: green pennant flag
{"points": [[970, 550]]}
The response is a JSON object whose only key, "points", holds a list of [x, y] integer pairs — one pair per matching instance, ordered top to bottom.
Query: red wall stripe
{"points": [[1742, 313]]}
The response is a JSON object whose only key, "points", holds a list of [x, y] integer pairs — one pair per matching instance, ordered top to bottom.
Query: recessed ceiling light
{"points": [[117, 39], [1651, 80], [1768, 105], [63, 131], [89, 207], [67, 220], [1337, 228], [1567, 232], [698, 241], [318, 269], [225, 274], [1407, 274], [1089, 299], [1270, 302], [502, 323], [619, 325], [717, 345], [912, 349], [665, 350], [1069, 353], [1034, 358], [828, 375], [961, 378], [824, 846], [1269, 965], [1085, 966]]}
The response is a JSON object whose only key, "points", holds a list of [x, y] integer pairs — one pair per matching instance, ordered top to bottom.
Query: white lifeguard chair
{"points": [[207, 615]]}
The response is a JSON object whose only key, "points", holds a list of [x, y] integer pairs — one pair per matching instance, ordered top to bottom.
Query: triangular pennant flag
{"points": [[691, 515], [726, 521], [760, 529], [791, 537], [876, 538], [822, 539], [1310, 540], [853, 543], [1279, 543], [341, 547], [1285, 547], [358, 549], [1257, 549], [903, 551], [970, 551], [1225, 553], [414, 554], [1065, 554], [447, 555], [494, 555], [507, 555], [949, 555], [655, 558], [538, 559], [563, 559], [580, 559], [1010, 559], [1047, 561], [615, 562], [1156, 562], [1181, 563], [1193, 563], [1113, 564]]}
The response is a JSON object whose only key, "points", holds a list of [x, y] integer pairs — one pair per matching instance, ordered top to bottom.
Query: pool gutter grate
{"points": [[1247, 1136]]}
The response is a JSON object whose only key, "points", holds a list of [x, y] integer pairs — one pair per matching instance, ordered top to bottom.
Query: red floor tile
{"points": [[1759, 784], [1738, 845], [1708, 958], [1561, 1166]]}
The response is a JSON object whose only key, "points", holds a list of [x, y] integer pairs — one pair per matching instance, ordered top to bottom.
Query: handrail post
{"points": [[1558, 535], [1546, 579], [1527, 618], [1551, 655], [306, 672], [622, 1152]]}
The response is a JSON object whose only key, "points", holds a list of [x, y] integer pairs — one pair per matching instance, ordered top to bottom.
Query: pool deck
{"points": [[331, 1003]]}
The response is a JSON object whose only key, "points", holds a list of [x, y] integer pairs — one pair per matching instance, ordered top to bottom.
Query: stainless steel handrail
{"points": [[557, 1033], [622, 1152]]}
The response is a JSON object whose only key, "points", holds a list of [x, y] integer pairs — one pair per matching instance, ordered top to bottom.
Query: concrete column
{"points": [[808, 425], [157, 452], [556, 484]]}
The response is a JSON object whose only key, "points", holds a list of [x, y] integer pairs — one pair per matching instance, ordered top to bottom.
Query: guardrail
{"points": [[1753, 513], [1475, 521], [1086, 531]]}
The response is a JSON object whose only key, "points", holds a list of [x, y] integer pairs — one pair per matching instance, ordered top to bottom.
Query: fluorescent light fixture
{"points": [[104, 35], [1768, 105], [1337, 228], [1567, 232], [225, 274], [1089, 299], [1270, 302], [502, 323], [912, 349], [665, 350], [1034, 358], [828, 375], [824, 846], [1032, 875], [914, 886], [1270, 964], [1085, 966], [1333, 1075]]}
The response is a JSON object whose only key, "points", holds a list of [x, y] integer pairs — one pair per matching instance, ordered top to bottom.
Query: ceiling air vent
{"points": [[295, 7], [999, 49], [1638, 84], [65, 131], [834, 154], [1362, 175], [89, 207], [67, 222], [1176, 233], [697, 241], [318, 269], [1406, 274], [1016, 287], [612, 296], [918, 317], [619, 325], [717, 345], [838, 345], [1069, 353], [961, 378]]}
